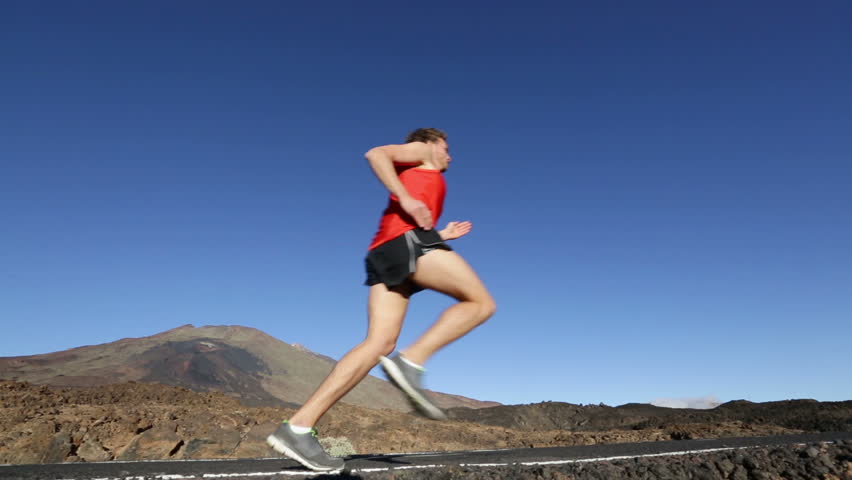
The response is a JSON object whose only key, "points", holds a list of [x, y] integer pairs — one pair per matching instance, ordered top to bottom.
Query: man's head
{"points": [[426, 135], [438, 140]]}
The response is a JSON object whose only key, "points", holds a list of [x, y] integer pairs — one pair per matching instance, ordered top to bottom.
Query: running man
{"points": [[406, 256]]}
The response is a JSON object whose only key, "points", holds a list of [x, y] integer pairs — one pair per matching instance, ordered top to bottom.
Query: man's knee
{"points": [[487, 308], [381, 346]]}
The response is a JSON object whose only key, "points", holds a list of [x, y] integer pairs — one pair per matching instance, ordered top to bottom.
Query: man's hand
{"points": [[418, 211], [455, 230]]}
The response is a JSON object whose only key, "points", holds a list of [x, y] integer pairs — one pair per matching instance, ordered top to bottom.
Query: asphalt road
{"points": [[362, 466]]}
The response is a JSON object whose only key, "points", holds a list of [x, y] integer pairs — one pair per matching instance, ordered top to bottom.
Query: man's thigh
{"points": [[447, 272], [386, 309]]}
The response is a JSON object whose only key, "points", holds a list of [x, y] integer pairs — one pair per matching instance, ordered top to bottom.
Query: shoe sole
{"points": [[423, 404], [279, 447]]}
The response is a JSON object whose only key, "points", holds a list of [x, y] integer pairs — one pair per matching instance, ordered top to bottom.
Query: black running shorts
{"points": [[394, 261]]}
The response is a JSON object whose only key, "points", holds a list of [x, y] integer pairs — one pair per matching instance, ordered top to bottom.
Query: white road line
{"points": [[624, 457], [551, 462], [385, 469], [265, 474], [176, 476]]}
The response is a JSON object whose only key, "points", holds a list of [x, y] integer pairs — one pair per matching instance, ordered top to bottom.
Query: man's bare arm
{"points": [[382, 160]]}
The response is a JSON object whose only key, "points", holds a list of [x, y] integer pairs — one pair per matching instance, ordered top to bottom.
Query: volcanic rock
{"points": [[136, 421]]}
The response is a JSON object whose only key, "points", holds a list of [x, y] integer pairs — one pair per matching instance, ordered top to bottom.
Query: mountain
{"points": [[242, 362]]}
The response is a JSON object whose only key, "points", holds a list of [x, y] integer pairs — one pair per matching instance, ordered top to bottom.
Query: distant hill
{"points": [[242, 362], [806, 415]]}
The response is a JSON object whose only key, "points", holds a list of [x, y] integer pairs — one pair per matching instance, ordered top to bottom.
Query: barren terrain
{"points": [[136, 421]]}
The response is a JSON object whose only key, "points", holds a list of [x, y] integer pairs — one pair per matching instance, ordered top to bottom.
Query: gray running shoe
{"points": [[408, 379], [304, 448]]}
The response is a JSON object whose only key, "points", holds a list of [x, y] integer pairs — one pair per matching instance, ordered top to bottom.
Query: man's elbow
{"points": [[372, 154], [378, 155]]}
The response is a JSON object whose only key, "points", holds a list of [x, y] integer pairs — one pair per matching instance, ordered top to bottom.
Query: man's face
{"points": [[441, 154]]}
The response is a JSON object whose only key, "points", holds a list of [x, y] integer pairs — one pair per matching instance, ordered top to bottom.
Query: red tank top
{"points": [[425, 185]]}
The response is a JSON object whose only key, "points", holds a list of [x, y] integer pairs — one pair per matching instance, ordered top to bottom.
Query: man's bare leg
{"points": [[447, 272], [386, 311]]}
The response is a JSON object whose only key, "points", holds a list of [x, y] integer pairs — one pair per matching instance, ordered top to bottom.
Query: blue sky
{"points": [[659, 190]]}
